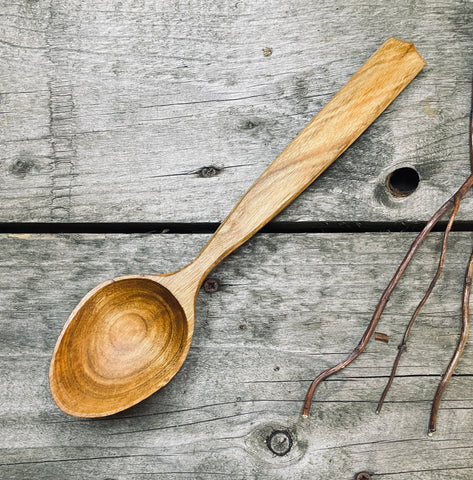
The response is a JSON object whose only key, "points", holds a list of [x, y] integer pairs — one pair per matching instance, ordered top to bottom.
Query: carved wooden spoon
{"points": [[129, 336]]}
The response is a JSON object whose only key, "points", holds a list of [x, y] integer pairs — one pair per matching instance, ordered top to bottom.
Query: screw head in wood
{"points": [[211, 285], [279, 442], [363, 476]]}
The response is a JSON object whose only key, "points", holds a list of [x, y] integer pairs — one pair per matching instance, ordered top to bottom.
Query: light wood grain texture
{"points": [[109, 113], [347, 115], [129, 336], [255, 351]]}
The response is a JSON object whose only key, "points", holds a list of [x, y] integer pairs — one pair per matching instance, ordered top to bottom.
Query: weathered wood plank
{"points": [[109, 113], [288, 306]]}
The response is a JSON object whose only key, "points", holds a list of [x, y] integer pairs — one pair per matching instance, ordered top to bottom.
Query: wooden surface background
{"points": [[110, 111]]}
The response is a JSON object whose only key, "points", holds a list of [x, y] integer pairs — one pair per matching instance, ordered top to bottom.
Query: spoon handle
{"points": [[347, 115]]}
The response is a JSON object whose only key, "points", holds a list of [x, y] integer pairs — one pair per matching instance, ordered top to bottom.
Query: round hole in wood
{"points": [[402, 182], [124, 342]]}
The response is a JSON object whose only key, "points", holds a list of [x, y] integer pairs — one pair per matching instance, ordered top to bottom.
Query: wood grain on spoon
{"points": [[345, 117], [129, 336]]}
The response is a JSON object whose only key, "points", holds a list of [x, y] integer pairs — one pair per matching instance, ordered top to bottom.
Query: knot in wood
{"points": [[21, 167], [207, 172], [402, 182], [211, 285], [279, 442], [363, 476]]}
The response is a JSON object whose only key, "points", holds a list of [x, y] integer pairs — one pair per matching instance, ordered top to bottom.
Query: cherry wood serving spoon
{"points": [[129, 336]]}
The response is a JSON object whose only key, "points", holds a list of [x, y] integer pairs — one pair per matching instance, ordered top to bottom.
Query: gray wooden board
{"points": [[108, 111], [288, 306]]}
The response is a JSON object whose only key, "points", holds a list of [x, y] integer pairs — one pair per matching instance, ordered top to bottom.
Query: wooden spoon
{"points": [[129, 336]]}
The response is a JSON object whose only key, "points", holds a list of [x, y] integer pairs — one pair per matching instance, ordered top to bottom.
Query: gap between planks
{"points": [[211, 227]]}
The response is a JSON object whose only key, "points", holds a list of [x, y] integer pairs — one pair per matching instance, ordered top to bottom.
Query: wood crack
{"points": [[180, 425]]}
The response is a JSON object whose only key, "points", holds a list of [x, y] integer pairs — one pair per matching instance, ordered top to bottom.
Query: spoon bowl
{"points": [[129, 336], [109, 348]]}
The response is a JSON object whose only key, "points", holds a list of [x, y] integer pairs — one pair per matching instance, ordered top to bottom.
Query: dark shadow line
{"points": [[210, 227]]}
